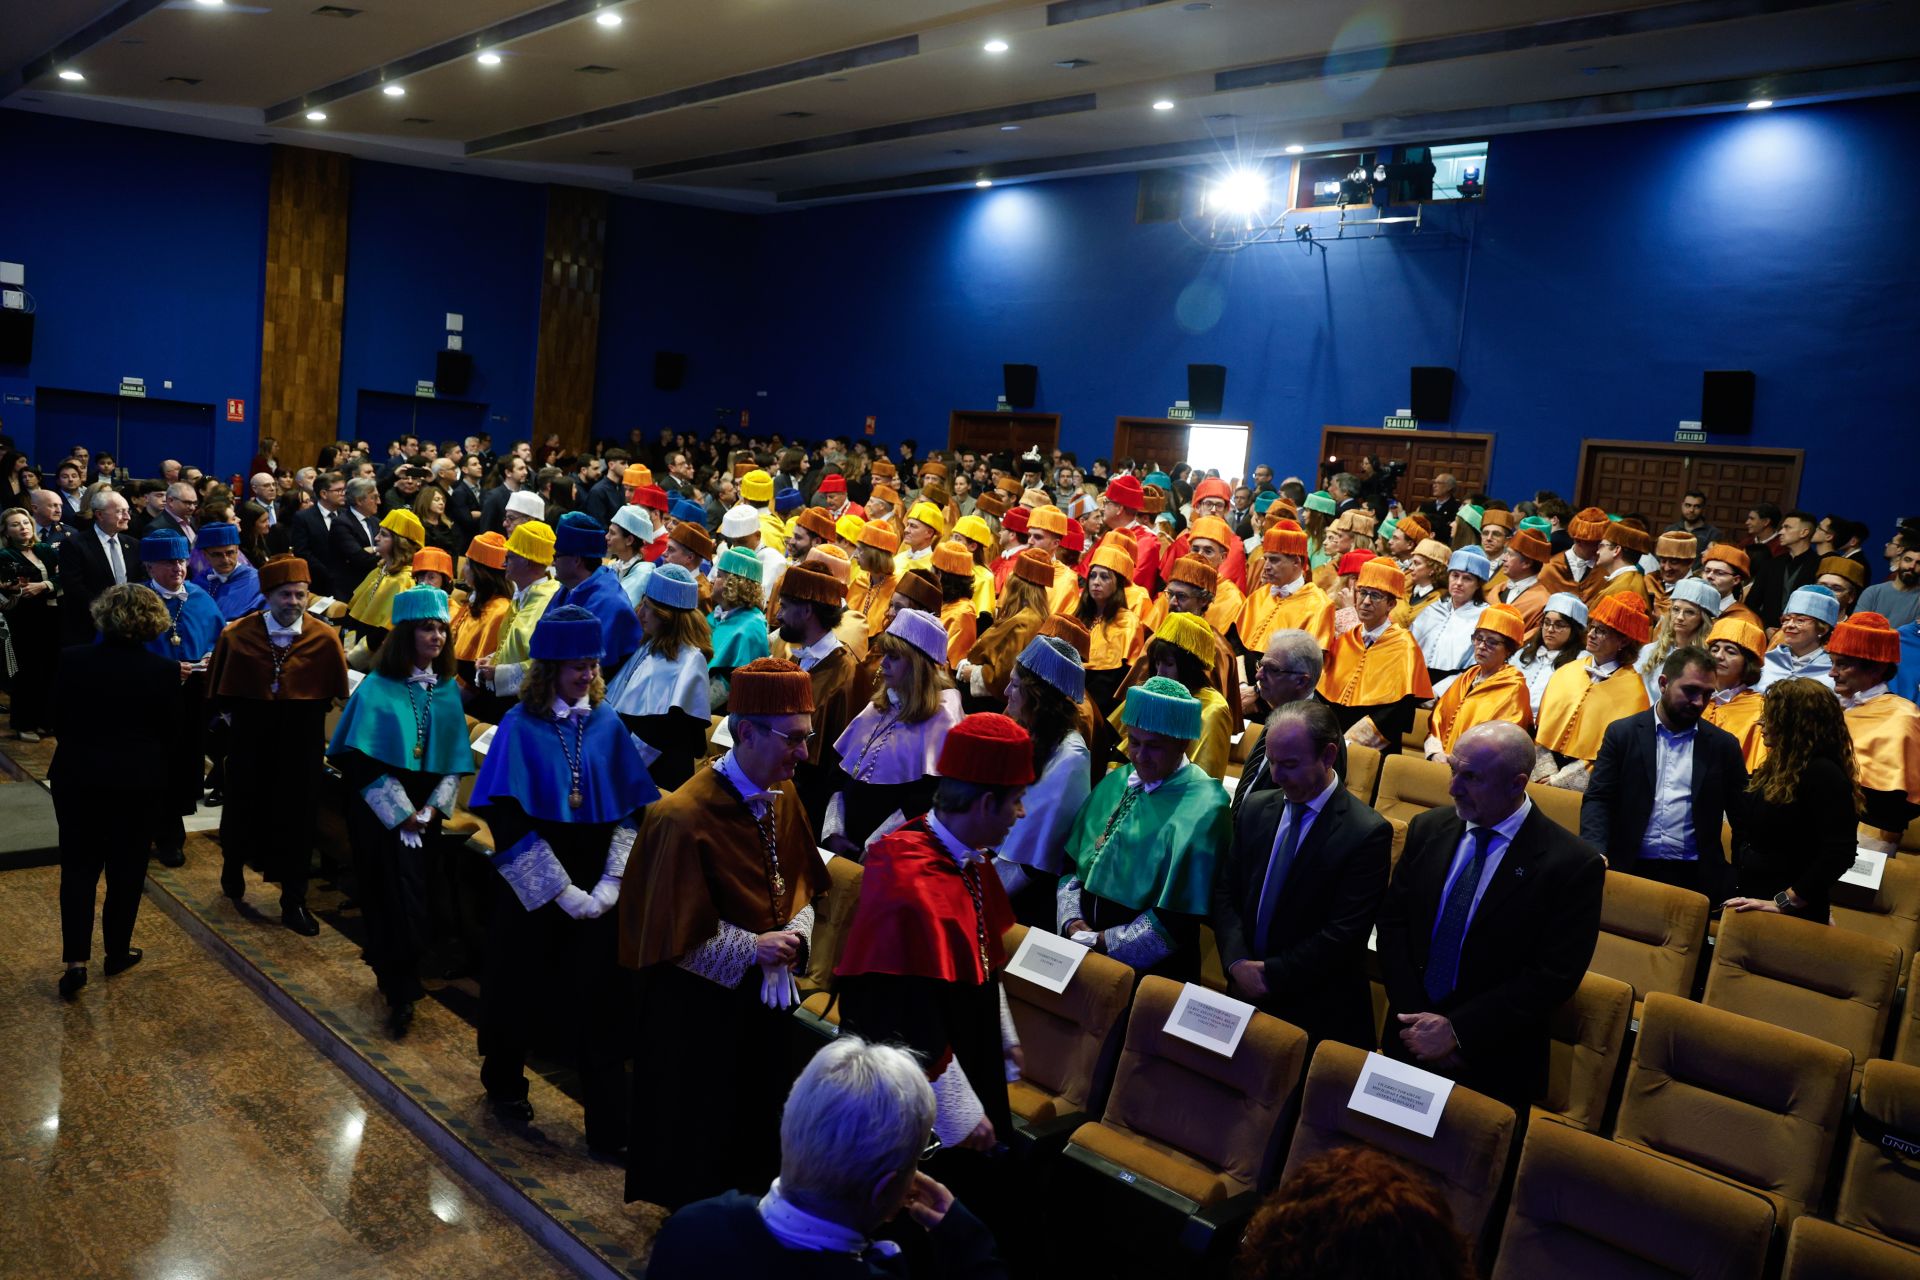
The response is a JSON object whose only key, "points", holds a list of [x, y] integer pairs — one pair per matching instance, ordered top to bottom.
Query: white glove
{"points": [[964, 672], [977, 681], [411, 839], [606, 894], [578, 903], [1085, 937], [777, 990]]}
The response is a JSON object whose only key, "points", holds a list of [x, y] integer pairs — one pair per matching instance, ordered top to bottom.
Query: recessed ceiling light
{"points": [[213, 4], [607, 18], [995, 46], [489, 59], [71, 74], [395, 91], [1163, 104], [1758, 104], [316, 116], [1009, 128], [1294, 148], [983, 183]]}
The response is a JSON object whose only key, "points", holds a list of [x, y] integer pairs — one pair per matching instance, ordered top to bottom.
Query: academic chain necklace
{"points": [[173, 620], [278, 654], [421, 715], [575, 755], [870, 755], [1119, 813], [970, 875], [776, 883]]}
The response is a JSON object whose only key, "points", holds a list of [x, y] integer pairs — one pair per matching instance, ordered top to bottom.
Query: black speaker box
{"points": [[16, 337], [669, 370], [452, 371], [1021, 382], [1206, 389], [1432, 393], [1726, 401]]}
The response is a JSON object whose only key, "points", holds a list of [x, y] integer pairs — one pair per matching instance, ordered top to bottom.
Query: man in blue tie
{"points": [[1296, 899], [1488, 925]]}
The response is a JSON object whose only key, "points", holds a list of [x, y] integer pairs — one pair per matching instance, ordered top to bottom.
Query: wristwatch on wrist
{"points": [[1781, 901]]}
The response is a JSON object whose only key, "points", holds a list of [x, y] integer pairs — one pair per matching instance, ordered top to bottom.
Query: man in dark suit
{"points": [[514, 476], [609, 492], [463, 497], [1442, 507], [50, 524], [354, 530], [310, 533], [92, 561], [1289, 671], [1664, 782], [1297, 895], [1488, 925]]}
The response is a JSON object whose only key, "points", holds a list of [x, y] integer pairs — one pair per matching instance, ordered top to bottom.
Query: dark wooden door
{"points": [[990, 431], [1159, 441], [1466, 457], [1635, 477]]}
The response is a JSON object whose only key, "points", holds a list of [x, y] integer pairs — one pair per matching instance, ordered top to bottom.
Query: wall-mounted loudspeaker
{"points": [[16, 337], [669, 370], [452, 371], [1022, 382], [1206, 389], [1432, 393], [1726, 401]]}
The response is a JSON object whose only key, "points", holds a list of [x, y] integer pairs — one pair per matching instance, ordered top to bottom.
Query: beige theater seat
{"points": [[1363, 772], [1409, 786], [1561, 806], [1891, 913], [1651, 936], [1588, 1033], [1070, 1041], [1906, 1042], [1881, 1190], [1586, 1207], [1822, 1251]]}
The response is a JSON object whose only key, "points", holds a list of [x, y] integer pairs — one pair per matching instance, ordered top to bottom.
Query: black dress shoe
{"points": [[213, 799], [171, 857], [233, 884], [300, 920], [122, 963], [71, 981], [400, 1019], [512, 1110]]}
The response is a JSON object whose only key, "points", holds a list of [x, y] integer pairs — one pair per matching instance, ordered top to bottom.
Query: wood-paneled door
{"points": [[990, 431], [1160, 441], [1466, 456], [1637, 476]]}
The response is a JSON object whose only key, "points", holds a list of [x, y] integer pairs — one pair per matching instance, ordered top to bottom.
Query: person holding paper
{"points": [[194, 622], [275, 674], [662, 693], [401, 745], [561, 788], [1144, 846], [1295, 900], [715, 912], [1487, 926], [923, 956]]}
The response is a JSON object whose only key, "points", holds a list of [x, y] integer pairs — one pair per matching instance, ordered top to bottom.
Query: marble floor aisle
{"points": [[168, 1124]]}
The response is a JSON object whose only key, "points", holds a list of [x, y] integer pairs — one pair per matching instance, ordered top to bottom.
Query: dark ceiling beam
{"points": [[1061, 12], [118, 18], [517, 27], [825, 64], [929, 127]]}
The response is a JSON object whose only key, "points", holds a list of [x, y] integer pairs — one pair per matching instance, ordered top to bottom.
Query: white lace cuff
{"points": [[507, 679], [442, 797], [388, 800], [834, 821], [619, 849], [532, 871], [1066, 902], [802, 923], [1139, 943], [725, 957], [1009, 1034], [957, 1109]]}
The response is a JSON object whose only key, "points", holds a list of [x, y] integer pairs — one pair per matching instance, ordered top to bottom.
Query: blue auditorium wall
{"points": [[143, 253], [1609, 267]]}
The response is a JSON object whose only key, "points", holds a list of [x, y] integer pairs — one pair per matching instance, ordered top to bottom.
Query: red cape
{"points": [[916, 918]]}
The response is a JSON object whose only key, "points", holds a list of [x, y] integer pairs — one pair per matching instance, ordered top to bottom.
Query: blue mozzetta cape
{"points": [[239, 595], [602, 595], [199, 623], [378, 723], [526, 763]]}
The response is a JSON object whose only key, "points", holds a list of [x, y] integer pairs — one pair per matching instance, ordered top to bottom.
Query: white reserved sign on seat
{"points": [[485, 740], [1869, 865], [1047, 960], [1205, 1017], [1400, 1094]]}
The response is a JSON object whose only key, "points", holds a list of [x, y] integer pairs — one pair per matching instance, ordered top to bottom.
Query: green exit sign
{"points": [[1394, 423]]}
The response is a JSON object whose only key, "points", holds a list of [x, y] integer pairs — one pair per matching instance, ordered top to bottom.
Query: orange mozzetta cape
{"points": [[879, 596], [1308, 609], [962, 624], [475, 635], [1116, 643], [1359, 676], [1500, 696], [1576, 709], [1740, 716], [1886, 745]]}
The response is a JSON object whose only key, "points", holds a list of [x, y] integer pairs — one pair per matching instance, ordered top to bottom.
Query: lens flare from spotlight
{"points": [[1240, 191]]}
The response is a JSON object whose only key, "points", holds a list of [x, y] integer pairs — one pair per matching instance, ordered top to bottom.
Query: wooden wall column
{"points": [[570, 284], [306, 301]]}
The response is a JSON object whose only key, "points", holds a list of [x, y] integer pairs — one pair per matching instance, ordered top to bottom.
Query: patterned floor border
{"points": [[491, 1170]]}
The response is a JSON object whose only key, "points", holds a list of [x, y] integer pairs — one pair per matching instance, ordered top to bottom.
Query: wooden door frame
{"points": [[954, 416], [1125, 422], [1460, 437], [1796, 458]]}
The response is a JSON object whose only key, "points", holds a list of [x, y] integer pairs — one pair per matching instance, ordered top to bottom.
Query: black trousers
{"points": [[274, 770], [187, 771], [100, 831], [392, 883], [555, 980]]}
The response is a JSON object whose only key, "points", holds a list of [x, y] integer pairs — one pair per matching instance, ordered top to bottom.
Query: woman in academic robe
{"points": [[630, 535], [874, 556], [954, 565], [1691, 608], [482, 609], [370, 610], [1022, 610], [738, 621], [194, 624], [1115, 635], [1560, 638], [1737, 648], [1184, 650], [1490, 690], [661, 694], [1584, 697], [1044, 698], [1885, 728], [401, 746], [888, 751], [561, 789], [1143, 848]]}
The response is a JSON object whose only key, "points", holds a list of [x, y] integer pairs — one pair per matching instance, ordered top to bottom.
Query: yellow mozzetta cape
{"points": [[372, 602], [1308, 609], [1406, 611], [962, 624], [516, 638], [1116, 643], [1359, 676], [1500, 696], [1576, 709], [1740, 716], [1886, 744], [1211, 748]]}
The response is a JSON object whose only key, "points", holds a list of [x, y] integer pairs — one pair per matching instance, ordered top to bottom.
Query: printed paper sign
{"points": [[484, 741], [1869, 865], [1047, 960], [1209, 1019], [1400, 1094]]}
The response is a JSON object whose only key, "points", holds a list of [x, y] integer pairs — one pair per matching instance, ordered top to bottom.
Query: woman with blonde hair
{"points": [[430, 508], [874, 556], [1426, 580], [370, 610], [1022, 611], [1689, 616], [738, 621], [1737, 647], [662, 693], [887, 752], [1802, 805]]}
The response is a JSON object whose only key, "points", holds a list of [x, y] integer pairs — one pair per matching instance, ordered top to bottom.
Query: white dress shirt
{"points": [[1304, 814], [1503, 833]]}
